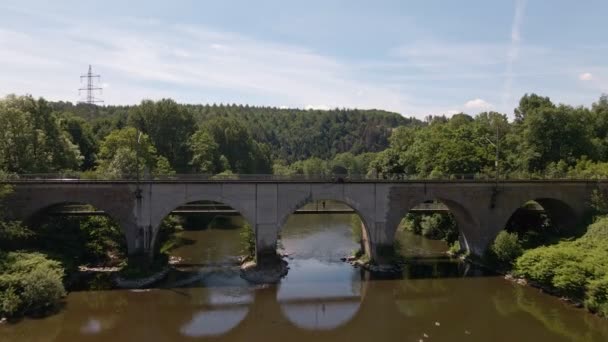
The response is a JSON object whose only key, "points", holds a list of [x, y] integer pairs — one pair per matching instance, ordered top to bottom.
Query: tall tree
{"points": [[169, 125], [82, 135], [32, 140], [236, 145], [127, 153]]}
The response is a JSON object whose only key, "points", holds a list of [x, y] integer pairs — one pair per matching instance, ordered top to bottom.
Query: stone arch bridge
{"points": [[481, 208]]}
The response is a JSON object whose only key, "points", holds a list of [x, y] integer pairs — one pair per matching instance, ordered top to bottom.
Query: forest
{"points": [[541, 139]]}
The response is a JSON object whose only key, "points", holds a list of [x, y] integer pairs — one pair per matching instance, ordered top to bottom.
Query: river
{"points": [[321, 299]]}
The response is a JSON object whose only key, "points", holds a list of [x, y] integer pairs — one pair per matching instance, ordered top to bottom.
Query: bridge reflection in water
{"points": [[404, 307]]}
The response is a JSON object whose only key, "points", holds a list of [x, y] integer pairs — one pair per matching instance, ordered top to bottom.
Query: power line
{"points": [[91, 88]]}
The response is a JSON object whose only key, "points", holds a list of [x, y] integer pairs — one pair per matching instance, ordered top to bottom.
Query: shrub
{"points": [[411, 223], [435, 226], [431, 227], [167, 238], [247, 241], [506, 247], [455, 248], [570, 279], [29, 283], [597, 296], [10, 302]]}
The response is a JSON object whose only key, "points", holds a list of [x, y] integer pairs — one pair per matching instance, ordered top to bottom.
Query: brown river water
{"points": [[321, 299]]}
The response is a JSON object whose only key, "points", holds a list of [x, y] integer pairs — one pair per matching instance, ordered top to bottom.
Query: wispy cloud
{"points": [[513, 52], [150, 60], [426, 67]]}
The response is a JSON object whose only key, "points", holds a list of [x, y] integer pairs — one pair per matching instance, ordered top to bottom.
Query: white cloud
{"points": [[188, 63], [586, 76], [478, 104], [316, 107]]}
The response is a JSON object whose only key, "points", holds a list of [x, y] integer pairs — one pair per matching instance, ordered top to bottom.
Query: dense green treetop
{"points": [[169, 125], [543, 138], [32, 139], [128, 153]]}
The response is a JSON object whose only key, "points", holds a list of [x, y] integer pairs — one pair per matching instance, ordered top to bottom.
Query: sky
{"points": [[413, 57]]}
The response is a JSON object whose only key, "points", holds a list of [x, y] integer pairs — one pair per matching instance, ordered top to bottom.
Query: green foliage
{"points": [[169, 127], [81, 134], [293, 134], [31, 139], [230, 139], [455, 146], [127, 153], [205, 153], [281, 168], [435, 226], [12, 233], [247, 237], [168, 238], [80, 240], [455, 248], [506, 248], [576, 269], [29, 283], [597, 296]]}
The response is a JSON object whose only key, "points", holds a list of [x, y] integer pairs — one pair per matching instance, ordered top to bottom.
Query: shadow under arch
{"points": [[98, 208], [211, 208], [549, 217], [62, 222], [467, 225]]}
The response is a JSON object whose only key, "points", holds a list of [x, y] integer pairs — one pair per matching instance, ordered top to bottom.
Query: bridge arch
{"points": [[321, 201], [561, 213], [547, 216], [158, 217], [68, 223], [467, 224]]}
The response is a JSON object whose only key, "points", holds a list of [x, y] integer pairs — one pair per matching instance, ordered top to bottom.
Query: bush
{"points": [[435, 226], [431, 227], [167, 238], [80, 240], [247, 241], [506, 247], [455, 248], [576, 269], [570, 279], [30, 283], [597, 296]]}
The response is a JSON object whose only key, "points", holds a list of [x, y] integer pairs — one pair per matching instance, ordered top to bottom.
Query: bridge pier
{"points": [[266, 236]]}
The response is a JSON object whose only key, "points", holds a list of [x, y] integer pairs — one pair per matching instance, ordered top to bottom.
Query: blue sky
{"points": [[412, 57]]}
